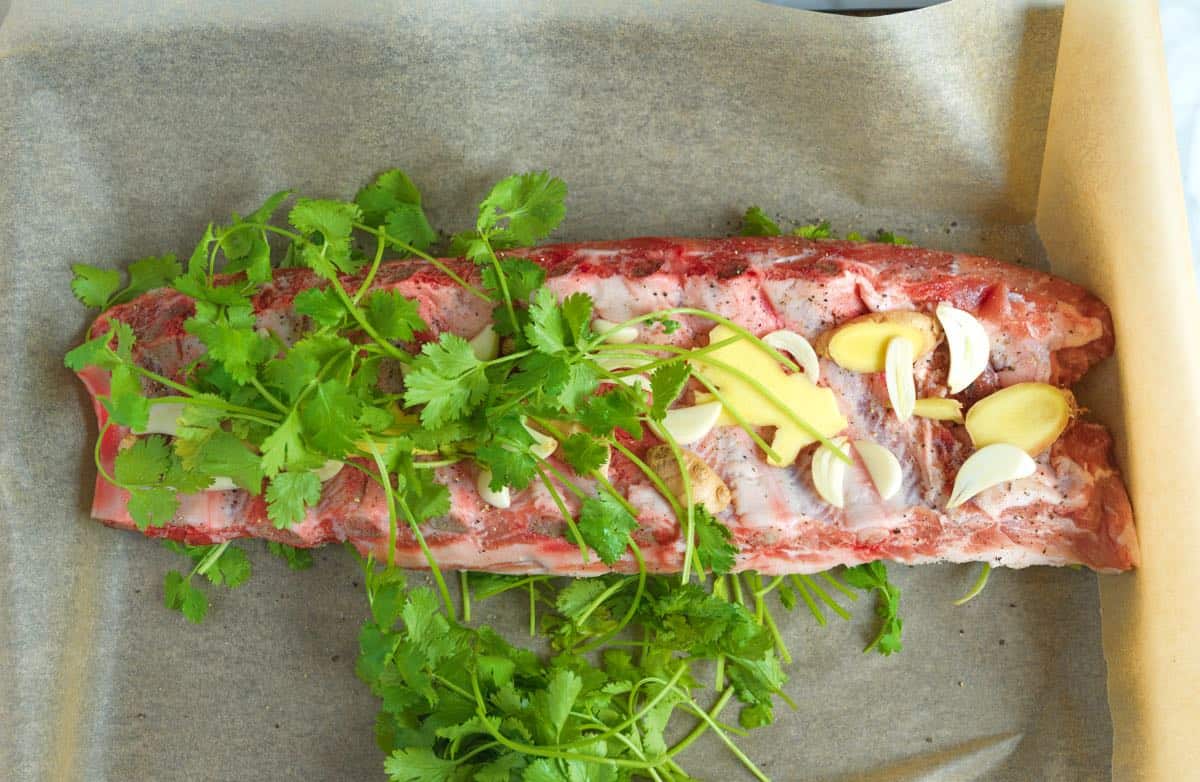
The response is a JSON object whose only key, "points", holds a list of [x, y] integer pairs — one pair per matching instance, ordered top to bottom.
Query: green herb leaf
{"points": [[523, 208], [756, 223], [814, 231], [94, 287], [321, 304], [393, 315], [546, 331], [447, 379], [666, 383], [584, 453], [289, 495], [605, 526], [714, 541], [296, 558], [873, 576], [180, 595]]}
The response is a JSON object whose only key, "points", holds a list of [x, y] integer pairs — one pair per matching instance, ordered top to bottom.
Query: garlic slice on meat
{"points": [[621, 336], [486, 344], [970, 348], [800, 349], [898, 373], [163, 419], [690, 424], [543, 444], [990, 466], [883, 467], [329, 469], [829, 473], [497, 499]]}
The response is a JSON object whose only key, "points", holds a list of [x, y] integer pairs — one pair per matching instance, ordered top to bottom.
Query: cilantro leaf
{"points": [[390, 189], [523, 208], [334, 222], [407, 223], [756, 223], [814, 231], [887, 237], [197, 268], [148, 274], [522, 275], [94, 287], [321, 304], [577, 313], [394, 315], [546, 330], [231, 339], [93, 353], [292, 373], [447, 378], [666, 383], [125, 402], [614, 410], [329, 415], [223, 453], [584, 453], [144, 462], [509, 466], [289, 494], [152, 506], [605, 526], [714, 543], [296, 558], [231, 568], [873, 576], [180, 595], [560, 696], [419, 764]]}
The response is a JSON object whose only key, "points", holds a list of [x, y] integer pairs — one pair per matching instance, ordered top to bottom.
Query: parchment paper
{"points": [[124, 131]]}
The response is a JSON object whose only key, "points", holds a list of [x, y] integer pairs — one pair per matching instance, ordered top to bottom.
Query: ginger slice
{"points": [[860, 345], [939, 409], [1030, 416], [707, 487]]}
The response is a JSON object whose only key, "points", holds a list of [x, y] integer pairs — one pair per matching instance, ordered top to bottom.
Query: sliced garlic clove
{"points": [[609, 331], [486, 344], [969, 346], [801, 350], [616, 363], [898, 373], [937, 408], [163, 419], [690, 424], [543, 444], [883, 467], [988, 467], [329, 469], [829, 474], [497, 499]]}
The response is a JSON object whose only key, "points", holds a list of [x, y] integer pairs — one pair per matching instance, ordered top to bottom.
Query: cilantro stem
{"points": [[439, 265], [370, 278], [502, 280], [729, 324], [365, 325], [653, 365], [267, 395], [233, 411], [652, 476], [386, 482], [562, 506], [689, 548], [210, 559], [433, 566], [980, 583], [838, 585], [464, 586], [614, 588], [807, 597], [824, 597], [633, 606], [532, 611], [769, 621], [703, 726], [728, 742]]}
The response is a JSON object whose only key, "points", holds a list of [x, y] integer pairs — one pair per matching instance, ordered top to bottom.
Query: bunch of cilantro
{"points": [[270, 411]]}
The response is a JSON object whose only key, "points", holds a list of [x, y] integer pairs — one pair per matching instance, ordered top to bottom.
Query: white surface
{"points": [[1181, 30]]}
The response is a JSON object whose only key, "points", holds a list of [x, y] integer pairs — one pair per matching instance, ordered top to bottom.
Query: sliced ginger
{"points": [[860, 345], [815, 405], [939, 409], [1030, 416], [707, 487]]}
